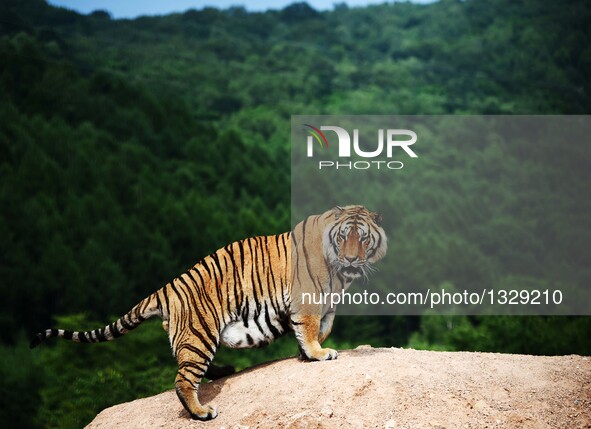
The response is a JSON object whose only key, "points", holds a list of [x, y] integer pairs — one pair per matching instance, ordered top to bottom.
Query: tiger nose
{"points": [[351, 258]]}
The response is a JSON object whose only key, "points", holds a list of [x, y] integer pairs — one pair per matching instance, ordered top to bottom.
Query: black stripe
{"points": [[331, 231], [277, 237], [285, 238], [241, 248], [375, 249], [307, 257], [216, 259], [204, 265], [262, 266], [196, 271], [258, 272], [240, 276], [252, 279], [219, 282], [228, 285], [273, 296], [166, 300], [237, 300], [158, 303], [237, 303], [246, 313], [182, 318], [131, 322], [256, 322], [126, 325], [272, 328], [114, 331], [100, 334], [83, 338], [195, 350], [194, 364], [201, 366], [197, 375], [191, 382]]}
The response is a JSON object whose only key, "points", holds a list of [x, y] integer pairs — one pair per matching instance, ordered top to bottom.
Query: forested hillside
{"points": [[129, 149]]}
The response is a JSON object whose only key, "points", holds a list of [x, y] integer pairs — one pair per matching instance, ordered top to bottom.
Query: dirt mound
{"points": [[384, 388]]}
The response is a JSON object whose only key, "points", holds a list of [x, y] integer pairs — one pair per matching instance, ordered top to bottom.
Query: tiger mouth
{"points": [[352, 271]]}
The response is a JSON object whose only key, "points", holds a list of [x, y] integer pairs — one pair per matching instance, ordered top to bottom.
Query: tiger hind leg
{"points": [[192, 368], [215, 372]]}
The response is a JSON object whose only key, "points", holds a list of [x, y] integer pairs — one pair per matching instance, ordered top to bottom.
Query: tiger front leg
{"points": [[326, 326], [307, 331], [192, 368]]}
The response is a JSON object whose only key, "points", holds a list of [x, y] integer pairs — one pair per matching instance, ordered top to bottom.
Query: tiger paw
{"points": [[324, 354], [206, 413]]}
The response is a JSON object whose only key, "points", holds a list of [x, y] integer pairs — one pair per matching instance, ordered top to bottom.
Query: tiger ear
{"points": [[337, 210], [377, 218]]}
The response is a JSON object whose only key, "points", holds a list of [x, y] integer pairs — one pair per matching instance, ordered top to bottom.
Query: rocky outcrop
{"points": [[384, 388]]}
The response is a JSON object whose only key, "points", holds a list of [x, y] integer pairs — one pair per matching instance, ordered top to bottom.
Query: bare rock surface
{"points": [[383, 388]]}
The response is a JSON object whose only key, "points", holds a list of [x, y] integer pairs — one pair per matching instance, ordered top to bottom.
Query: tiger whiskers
{"points": [[368, 270]]}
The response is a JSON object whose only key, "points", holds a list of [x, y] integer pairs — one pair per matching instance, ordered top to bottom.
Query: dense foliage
{"points": [[131, 148]]}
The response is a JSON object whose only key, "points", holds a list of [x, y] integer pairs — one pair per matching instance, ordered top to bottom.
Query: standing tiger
{"points": [[250, 292]]}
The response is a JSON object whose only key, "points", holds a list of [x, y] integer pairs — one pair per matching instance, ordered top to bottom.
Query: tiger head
{"points": [[354, 241]]}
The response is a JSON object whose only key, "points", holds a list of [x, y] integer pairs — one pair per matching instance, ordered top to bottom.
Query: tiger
{"points": [[249, 293]]}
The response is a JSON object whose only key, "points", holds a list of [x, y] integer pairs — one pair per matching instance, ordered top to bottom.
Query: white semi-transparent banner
{"points": [[482, 214]]}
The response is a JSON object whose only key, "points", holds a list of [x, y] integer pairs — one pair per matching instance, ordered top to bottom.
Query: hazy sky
{"points": [[133, 8]]}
